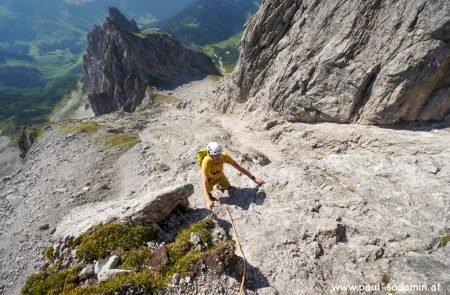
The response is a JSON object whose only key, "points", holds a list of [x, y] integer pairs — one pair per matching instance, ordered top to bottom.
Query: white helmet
{"points": [[213, 148]]}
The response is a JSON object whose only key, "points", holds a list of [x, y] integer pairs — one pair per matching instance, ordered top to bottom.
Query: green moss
{"points": [[229, 68], [215, 78], [159, 98], [165, 99], [87, 127], [39, 132], [123, 141], [113, 238], [445, 240], [127, 242], [181, 245], [49, 253], [135, 258], [183, 265], [143, 278], [385, 279], [52, 282]]}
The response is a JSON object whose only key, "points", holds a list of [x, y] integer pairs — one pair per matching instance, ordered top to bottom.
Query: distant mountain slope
{"points": [[29, 19], [210, 21], [41, 43]]}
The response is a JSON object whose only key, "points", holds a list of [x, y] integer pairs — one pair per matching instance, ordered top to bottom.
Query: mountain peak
{"points": [[116, 17], [121, 62]]}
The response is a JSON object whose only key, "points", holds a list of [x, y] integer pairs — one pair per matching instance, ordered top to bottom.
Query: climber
{"points": [[212, 171]]}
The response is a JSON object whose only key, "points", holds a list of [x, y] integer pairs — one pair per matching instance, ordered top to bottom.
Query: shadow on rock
{"points": [[243, 197], [254, 277]]}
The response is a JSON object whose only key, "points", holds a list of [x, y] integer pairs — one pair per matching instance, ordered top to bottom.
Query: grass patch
{"points": [[227, 51], [229, 68], [215, 78], [159, 98], [165, 99], [21, 107], [87, 127], [39, 132], [123, 141], [113, 238], [444, 240], [127, 242], [180, 247], [50, 253], [135, 258], [183, 265], [145, 278], [385, 279], [52, 282]]}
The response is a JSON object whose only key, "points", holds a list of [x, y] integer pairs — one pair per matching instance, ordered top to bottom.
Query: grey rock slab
{"points": [[150, 207], [111, 263], [98, 266], [87, 271], [110, 273], [175, 279]]}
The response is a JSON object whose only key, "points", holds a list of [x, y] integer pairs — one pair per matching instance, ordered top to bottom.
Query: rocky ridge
{"points": [[122, 61], [372, 62]]}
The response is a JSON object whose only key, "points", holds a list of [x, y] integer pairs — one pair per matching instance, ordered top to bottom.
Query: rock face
{"points": [[121, 62], [370, 62]]}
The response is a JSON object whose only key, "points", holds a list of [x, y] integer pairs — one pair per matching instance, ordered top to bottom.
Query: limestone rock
{"points": [[379, 62], [146, 209], [195, 239], [159, 258], [111, 263], [98, 266], [87, 271], [110, 273], [175, 279]]}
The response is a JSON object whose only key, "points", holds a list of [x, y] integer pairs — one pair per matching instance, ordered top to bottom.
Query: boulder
{"points": [[145, 210], [87, 271], [110, 273]]}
